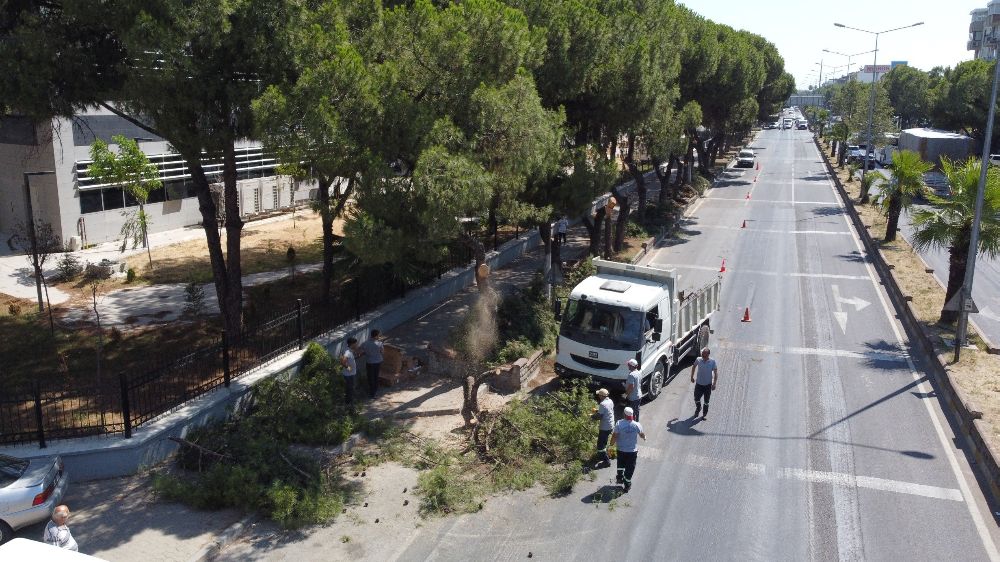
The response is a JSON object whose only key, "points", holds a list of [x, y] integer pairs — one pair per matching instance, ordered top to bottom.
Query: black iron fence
{"points": [[56, 410]]}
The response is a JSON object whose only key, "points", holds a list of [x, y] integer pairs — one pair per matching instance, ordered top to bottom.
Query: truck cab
{"points": [[627, 312]]}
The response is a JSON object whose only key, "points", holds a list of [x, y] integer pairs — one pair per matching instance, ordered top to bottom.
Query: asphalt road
{"points": [[825, 440]]}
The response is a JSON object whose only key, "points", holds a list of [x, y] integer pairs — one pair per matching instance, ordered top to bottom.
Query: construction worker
{"points": [[707, 373], [633, 384], [605, 412], [626, 439]]}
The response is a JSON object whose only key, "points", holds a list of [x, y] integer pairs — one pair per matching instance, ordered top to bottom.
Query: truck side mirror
{"points": [[557, 309], [658, 326], [655, 336]]}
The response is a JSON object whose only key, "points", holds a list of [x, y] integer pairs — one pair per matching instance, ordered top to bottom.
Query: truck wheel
{"points": [[703, 333], [655, 384]]}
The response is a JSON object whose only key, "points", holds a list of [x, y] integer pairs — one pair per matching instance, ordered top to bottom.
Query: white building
{"points": [[984, 31], [77, 206]]}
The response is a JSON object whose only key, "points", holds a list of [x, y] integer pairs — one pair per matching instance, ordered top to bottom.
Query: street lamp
{"points": [[846, 55], [820, 82], [871, 99], [32, 238], [965, 303]]}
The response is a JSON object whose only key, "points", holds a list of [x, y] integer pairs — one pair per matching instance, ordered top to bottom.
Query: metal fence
{"points": [[43, 411]]}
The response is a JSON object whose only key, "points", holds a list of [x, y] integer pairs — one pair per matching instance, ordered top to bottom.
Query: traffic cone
{"points": [[758, 165], [755, 179], [748, 195], [744, 223], [723, 270], [746, 315]]}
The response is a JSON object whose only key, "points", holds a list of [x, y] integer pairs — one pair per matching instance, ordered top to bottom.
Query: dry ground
{"points": [[976, 373]]}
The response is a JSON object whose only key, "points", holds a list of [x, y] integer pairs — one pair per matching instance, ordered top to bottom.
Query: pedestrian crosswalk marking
{"points": [[773, 273], [822, 477]]}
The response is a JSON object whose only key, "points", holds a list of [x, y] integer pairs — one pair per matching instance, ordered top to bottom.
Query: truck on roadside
{"points": [[627, 311]]}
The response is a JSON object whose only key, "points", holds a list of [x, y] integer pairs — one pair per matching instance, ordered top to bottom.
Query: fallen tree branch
{"points": [[185, 443], [305, 474]]}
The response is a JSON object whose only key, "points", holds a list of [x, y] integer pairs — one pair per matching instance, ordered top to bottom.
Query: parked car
{"points": [[803, 126], [854, 154], [745, 158], [29, 491], [26, 549]]}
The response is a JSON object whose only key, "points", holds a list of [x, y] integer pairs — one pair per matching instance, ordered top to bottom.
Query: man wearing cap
{"points": [[704, 373], [633, 383], [605, 412], [626, 438]]}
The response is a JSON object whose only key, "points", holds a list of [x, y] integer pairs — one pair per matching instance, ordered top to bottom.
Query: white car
{"points": [[745, 158], [29, 491]]}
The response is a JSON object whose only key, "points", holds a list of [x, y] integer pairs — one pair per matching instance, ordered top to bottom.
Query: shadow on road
{"points": [[684, 427], [606, 494]]}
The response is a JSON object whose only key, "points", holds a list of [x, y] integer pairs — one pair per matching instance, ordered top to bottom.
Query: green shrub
{"points": [[700, 184], [635, 230], [69, 266], [130, 275], [194, 299], [514, 350], [562, 483], [447, 489]]}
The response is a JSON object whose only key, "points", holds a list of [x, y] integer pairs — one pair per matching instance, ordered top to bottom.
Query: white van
{"points": [[25, 549]]}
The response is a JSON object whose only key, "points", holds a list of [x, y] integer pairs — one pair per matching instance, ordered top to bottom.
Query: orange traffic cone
{"points": [[748, 195], [744, 223], [723, 270], [746, 315]]}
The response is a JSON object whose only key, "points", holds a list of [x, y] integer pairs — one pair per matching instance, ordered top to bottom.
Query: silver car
{"points": [[29, 491]]}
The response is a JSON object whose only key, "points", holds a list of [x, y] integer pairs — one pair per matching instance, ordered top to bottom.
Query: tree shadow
{"points": [[827, 211]]}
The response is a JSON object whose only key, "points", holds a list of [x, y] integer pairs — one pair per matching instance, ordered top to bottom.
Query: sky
{"points": [[801, 29]]}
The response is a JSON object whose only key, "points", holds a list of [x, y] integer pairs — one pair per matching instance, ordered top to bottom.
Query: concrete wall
{"points": [[15, 159]]}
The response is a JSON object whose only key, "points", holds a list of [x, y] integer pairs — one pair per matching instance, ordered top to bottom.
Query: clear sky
{"points": [[801, 29]]}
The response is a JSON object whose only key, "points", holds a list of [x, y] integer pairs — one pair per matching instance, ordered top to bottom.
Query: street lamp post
{"points": [[849, 57], [819, 84], [871, 98], [32, 238], [965, 300]]}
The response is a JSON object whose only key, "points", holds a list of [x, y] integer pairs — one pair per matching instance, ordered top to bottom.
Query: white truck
{"points": [[625, 312]]}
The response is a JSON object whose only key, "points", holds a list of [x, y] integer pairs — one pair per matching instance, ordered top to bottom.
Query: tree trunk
{"points": [[638, 177], [664, 179], [326, 216], [892, 221], [493, 222], [621, 224], [593, 226], [545, 233], [213, 239], [479, 252], [958, 255], [233, 302], [470, 399]]}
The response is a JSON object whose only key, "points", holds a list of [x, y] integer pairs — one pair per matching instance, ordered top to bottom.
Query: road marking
{"points": [[772, 201], [719, 227], [773, 273], [987, 313], [840, 315], [889, 356], [822, 477], [977, 518]]}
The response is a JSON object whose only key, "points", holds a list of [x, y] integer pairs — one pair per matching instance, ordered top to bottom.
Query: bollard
{"points": [[126, 411]]}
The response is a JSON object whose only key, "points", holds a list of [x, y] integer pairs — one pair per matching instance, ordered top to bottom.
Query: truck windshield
{"points": [[602, 325]]}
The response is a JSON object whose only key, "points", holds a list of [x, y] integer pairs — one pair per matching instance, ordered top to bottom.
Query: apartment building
{"points": [[984, 31]]}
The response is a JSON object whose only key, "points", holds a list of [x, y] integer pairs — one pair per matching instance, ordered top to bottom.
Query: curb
{"points": [[972, 428], [230, 534]]}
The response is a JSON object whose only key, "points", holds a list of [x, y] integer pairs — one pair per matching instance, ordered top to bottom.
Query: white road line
{"points": [[771, 201], [719, 227], [772, 273], [893, 357], [822, 477], [977, 518]]}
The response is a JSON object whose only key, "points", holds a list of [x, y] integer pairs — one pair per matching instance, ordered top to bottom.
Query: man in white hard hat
{"points": [[633, 384], [605, 412], [626, 439]]}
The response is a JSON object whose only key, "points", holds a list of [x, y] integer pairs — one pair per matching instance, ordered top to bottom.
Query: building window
{"points": [[113, 199], [90, 202]]}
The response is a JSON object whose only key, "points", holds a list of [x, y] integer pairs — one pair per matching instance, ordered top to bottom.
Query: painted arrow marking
{"points": [[859, 304]]}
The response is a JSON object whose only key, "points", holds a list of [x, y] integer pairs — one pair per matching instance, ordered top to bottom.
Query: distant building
{"points": [[984, 31], [81, 210]]}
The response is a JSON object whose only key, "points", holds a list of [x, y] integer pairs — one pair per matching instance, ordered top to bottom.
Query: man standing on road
{"points": [[372, 350], [350, 369], [707, 373], [633, 382], [605, 412], [626, 437], [57, 532]]}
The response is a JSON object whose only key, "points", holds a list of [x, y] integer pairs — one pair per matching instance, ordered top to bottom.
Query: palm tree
{"points": [[838, 134], [868, 181], [907, 181], [948, 223]]}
